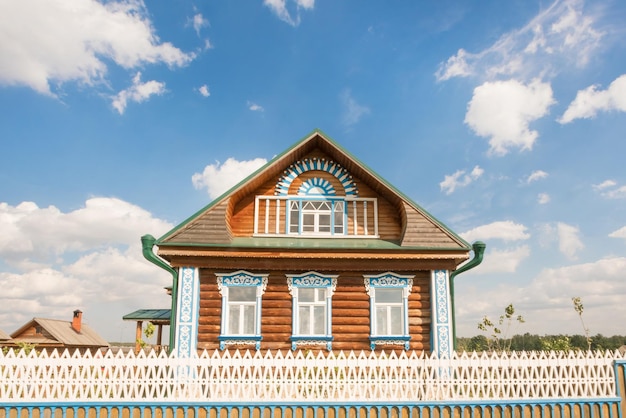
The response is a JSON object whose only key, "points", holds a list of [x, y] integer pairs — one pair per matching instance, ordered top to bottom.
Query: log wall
{"points": [[350, 318]]}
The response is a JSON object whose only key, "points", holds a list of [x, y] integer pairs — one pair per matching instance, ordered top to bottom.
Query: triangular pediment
{"points": [[321, 167]]}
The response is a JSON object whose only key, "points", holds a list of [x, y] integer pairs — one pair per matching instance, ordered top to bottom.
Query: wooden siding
{"points": [[389, 220], [213, 226], [420, 231], [350, 306]]}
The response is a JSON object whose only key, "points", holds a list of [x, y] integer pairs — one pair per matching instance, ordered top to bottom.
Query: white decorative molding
{"points": [[316, 164], [241, 278], [312, 279], [389, 279], [187, 311]]}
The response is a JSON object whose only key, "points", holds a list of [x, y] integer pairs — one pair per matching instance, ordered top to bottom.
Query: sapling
{"points": [[578, 307], [500, 341]]}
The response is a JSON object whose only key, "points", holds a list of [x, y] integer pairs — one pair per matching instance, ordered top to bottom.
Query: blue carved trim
{"points": [[316, 164], [311, 187], [241, 278], [388, 280], [187, 311], [441, 314], [240, 340], [326, 340], [390, 340]]}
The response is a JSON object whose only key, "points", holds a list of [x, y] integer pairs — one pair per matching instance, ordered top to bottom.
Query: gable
{"points": [[315, 166], [54, 331]]}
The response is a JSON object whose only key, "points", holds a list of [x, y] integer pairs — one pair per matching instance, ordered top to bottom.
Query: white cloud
{"points": [[279, 8], [198, 22], [559, 37], [52, 42], [204, 90], [138, 92], [590, 101], [255, 107], [503, 110], [352, 111], [536, 175], [218, 178], [460, 179], [605, 185], [610, 189], [543, 198], [503, 230], [620, 233], [43, 234], [569, 241], [88, 258], [503, 260], [549, 295]]}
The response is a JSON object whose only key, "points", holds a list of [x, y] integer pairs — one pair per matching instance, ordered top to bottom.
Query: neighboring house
{"points": [[313, 251], [51, 334], [4, 338]]}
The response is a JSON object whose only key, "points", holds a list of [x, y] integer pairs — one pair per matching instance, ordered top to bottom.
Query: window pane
{"points": [[308, 221], [324, 223], [242, 293], [306, 294], [393, 295], [395, 313], [233, 319], [248, 319], [304, 320], [381, 321], [319, 323]]}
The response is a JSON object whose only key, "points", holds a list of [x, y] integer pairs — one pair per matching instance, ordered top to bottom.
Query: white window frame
{"points": [[296, 204], [311, 280], [389, 280], [226, 281]]}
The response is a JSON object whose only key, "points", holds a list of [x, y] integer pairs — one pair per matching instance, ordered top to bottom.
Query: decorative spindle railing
{"points": [[304, 377]]}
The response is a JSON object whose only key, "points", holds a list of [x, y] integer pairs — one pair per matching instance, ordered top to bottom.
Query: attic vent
{"points": [[319, 164]]}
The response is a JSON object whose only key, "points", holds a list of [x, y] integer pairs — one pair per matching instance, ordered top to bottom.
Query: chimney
{"points": [[77, 320]]}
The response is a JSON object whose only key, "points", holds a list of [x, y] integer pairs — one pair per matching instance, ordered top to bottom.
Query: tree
{"points": [[578, 307], [497, 339], [556, 343]]}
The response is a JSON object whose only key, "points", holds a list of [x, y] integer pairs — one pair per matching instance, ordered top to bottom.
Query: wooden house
{"points": [[313, 251], [54, 334]]}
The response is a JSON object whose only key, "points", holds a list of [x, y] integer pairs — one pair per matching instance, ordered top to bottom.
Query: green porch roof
{"points": [[153, 315]]}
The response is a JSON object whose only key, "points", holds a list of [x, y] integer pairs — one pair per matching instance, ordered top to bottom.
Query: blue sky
{"points": [[505, 120]]}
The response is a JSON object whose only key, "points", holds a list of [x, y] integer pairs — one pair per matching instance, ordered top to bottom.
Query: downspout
{"points": [[147, 243], [479, 251]]}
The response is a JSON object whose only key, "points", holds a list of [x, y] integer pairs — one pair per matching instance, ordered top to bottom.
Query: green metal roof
{"points": [[311, 243], [152, 315]]}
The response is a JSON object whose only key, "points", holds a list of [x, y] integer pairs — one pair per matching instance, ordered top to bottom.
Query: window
{"points": [[316, 217], [311, 294], [241, 308], [389, 321]]}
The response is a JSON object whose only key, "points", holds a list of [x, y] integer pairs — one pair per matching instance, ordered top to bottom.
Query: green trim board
{"points": [[312, 243]]}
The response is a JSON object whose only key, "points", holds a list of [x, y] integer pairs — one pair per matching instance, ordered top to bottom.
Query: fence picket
{"points": [[296, 376]]}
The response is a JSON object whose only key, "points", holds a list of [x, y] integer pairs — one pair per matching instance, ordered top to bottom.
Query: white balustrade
{"points": [[304, 376]]}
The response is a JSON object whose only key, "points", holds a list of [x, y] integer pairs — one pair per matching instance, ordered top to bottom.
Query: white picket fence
{"points": [[298, 376]]}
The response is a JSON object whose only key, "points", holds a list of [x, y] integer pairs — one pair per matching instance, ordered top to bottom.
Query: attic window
{"points": [[316, 216], [38, 330]]}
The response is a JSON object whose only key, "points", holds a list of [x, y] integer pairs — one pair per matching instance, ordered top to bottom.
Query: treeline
{"points": [[531, 342]]}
